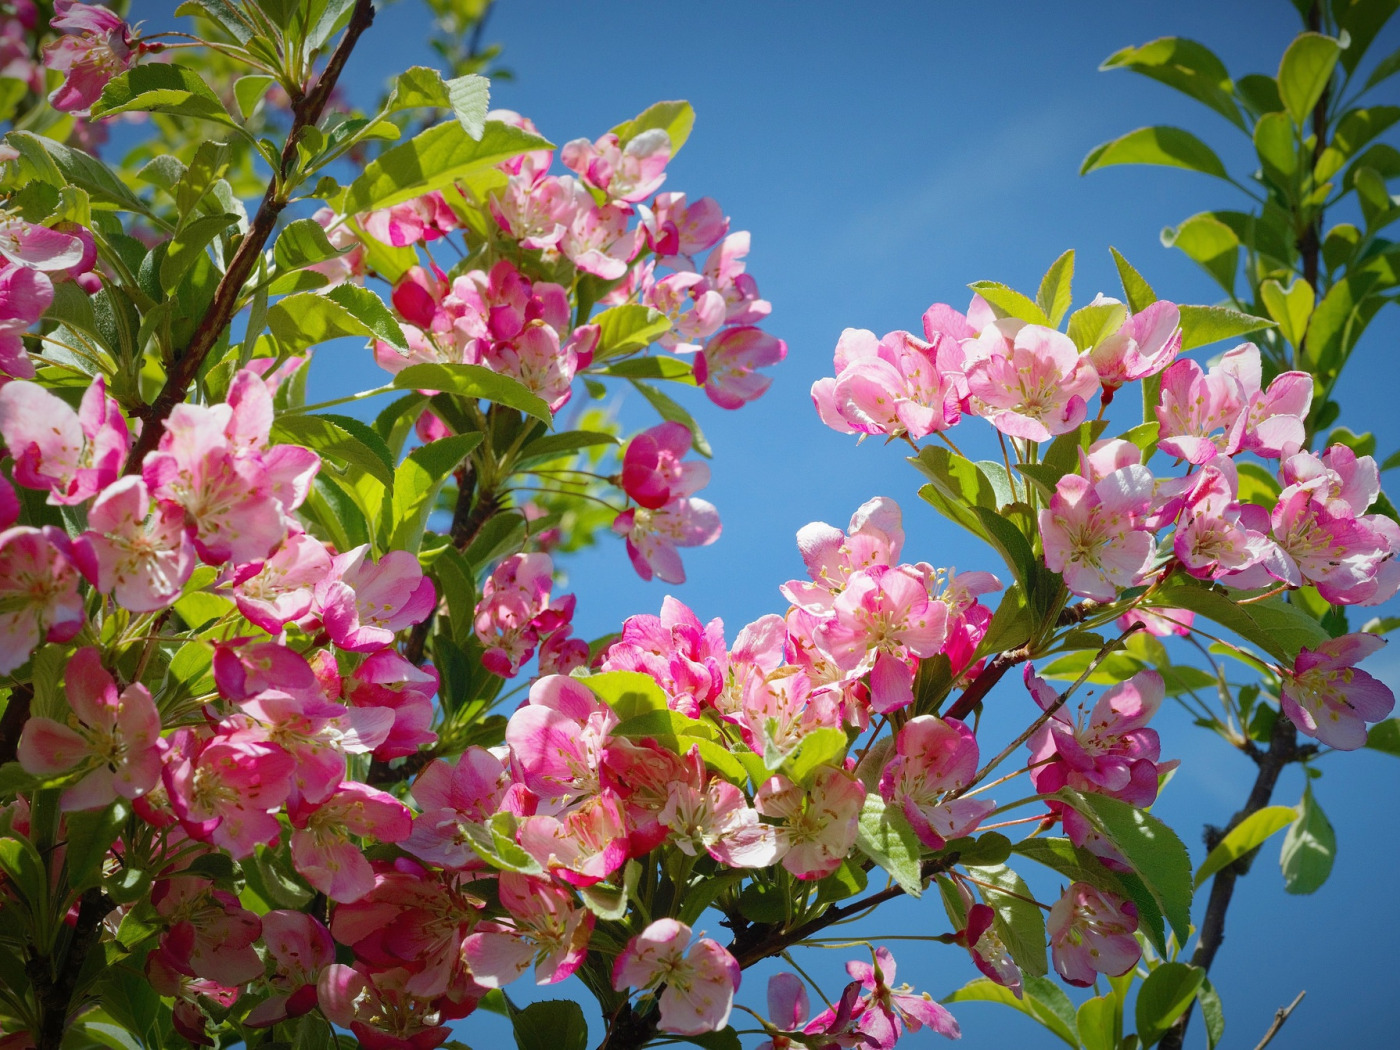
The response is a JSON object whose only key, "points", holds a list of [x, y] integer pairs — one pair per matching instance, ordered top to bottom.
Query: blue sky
{"points": [[883, 156]]}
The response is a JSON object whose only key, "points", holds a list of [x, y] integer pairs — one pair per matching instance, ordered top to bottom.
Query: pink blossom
{"points": [[95, 47], [531, 165], [630, 171], [536, 212], [424, 218], [678, 228], [597, 239], [33, 247], [349, 266], [726, 271], [25, 294], [694, 311], [1145, 344], [536, 359], [727, 366], [898, 385], [1036, 387], [1199, 411], [1272, 422], [72, 454], [652, 467], [1339, 474], [1091, 532], [653, 535], [874, 537], [1213, 537], [1321, 542], [138, 553], [281, 590], [514, 595], [39, 598], [365, 603], [1160, 622], [687, 659], [241, 671], [385, 679], [1327, 697], [777, 713], [318, 734], [115, 738], [556, 739], [935, 760], [225, 787], [453, 798], [719, 821], [820, 823], [587, 845], [322, 849], [546, 926], [1091, 932], [210, 934], [301, 949], [989, 952], [699, 982], [788, 1007], [892, 1010], [382, 1011]]}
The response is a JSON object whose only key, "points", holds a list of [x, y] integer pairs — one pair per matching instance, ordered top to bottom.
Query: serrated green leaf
{"points": [[1304, 73], [161, 87], [250, 90], [470, 97], [1167, 146], [303, 242], [1210, 243], [188, 245], [1136, 290], [1055, 292], [1007, 302], [1090, 325], [1203, 325], [631, 326], [474, 381], [339, 438], [551, 445], [1275, 626], [825, 747], [884, 835], [1246, 836], [1019, 921], [1169, 989], [1038, 1007], [1213, 1013]]}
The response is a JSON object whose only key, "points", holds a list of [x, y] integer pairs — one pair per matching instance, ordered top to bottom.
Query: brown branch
{"points": [[183, 370], [975, 693], [12, 721], [55, 992]]}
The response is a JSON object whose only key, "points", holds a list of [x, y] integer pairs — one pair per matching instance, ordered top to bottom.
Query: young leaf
{"points": [[1191, 68], [1304, 72], [161, 87], [470, 97], [674, 118], [1170, 147], [303, 242], [1210, 243], [1136, 290], [1054, 295], [1009, 303], [1202, 325], [628, 327], [474, 381], [674, 413], [339, 438], [417, 482], [1385, 737], [90, 835], [1247, 835], [886, 838], [1309, 848], [1019, 921], [1164, 996], [1040, 1002], [1213, 1013], [1098, 1022]]}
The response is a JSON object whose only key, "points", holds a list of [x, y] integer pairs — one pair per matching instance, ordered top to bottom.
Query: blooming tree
{"points": [[298, 746]]}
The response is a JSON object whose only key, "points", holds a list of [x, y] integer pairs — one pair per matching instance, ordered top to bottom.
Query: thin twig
{"points": [[1280, 1015]]}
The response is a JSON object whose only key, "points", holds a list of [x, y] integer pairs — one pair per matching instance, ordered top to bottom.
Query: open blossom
{"points": [[96, 45], [626, 172], [424, 218], [681, 228], [597, 239], [29, 246], [727, 274], [25, 294], [695, 311], [1145, 344], [727, 366], [897, 385], [1033, 386], [1198, 412], [1272, 423], [71, 454], [653, 535], [1092, 535], [1213, 536], [874, 537], [139, 553], [281, 589], [513, 597], [39, 598], [365, 603], [682, 655], [385, 679], [1327, 697], [115, 737], [557, 738], [934, 758], [225, 787], [453, 798], [719, 820], [820, 823], [587, 845], [322, 848], [547, 926], [1091, 932], [210, 934], [300, 949], [989, 951], [700, 978], [892, 1010]]}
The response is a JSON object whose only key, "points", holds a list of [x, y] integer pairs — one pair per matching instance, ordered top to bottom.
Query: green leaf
{"points": [[221, 13], [1361, 20], [1191, 68], [1385, 69], [1304, 72], [161, 87], [250, 90], [1259, 93], [470, 97], [675, 118], [1276, 144], [1171, 147], [433, 160], [58, 164], [303, 242], [1210, 243], [188, 245], [1136, 290], [1054, 295], [1007, 302], [1291, 307], [308, 318], [1337, 322], [1090, 325], [1203, 325], [629, 327], [674, 369], [474, 381], [672, 412], [339, 438], [553, 445], [417, 482], [958, 487], [1279, 628], [628, 693], [1385, 737], [821, 748], [90, 835], [884, 835], [1245, 837], [495, 843], [1150, 847], [1309, 848], [21, 864], [1019, 921], [1163, 997], [1042, 1002], [1213, 1013], [1097, 1022], [555, 1024]]}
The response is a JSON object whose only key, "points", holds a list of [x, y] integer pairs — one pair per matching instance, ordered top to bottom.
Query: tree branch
{"points": [[183, 370], [12, 721], [56, 992], [1280, 1015]]}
